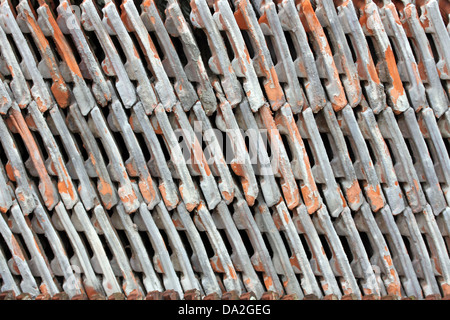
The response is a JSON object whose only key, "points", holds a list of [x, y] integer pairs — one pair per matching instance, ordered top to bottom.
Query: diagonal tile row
{"points": [[218, 149]]}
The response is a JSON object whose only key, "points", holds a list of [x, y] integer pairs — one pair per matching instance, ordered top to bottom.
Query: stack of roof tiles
{"points": [[215, 149]]}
